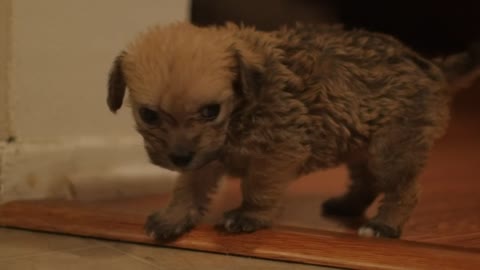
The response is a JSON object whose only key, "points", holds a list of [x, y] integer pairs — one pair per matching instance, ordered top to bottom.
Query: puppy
{"points": [[269, 107]]}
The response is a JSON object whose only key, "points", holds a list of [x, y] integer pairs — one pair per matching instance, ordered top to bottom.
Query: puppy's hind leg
{"points": [[396, 158], [360, 195], [189, 202]]}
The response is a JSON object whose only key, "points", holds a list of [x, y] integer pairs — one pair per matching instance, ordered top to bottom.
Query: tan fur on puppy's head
{"points": [[176, 76]]}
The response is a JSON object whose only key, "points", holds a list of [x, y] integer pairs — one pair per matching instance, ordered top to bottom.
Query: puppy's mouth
{"points": [[200, 161], [197, 162]]}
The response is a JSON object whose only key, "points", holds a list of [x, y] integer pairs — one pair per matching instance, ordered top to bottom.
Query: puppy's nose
{"points": [[181, 159]]}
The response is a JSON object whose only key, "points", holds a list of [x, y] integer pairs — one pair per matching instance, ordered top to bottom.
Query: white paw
{"points": [[366, 231]]}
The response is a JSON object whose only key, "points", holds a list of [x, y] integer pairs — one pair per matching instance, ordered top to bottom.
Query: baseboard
{"points": [[86, 168]]}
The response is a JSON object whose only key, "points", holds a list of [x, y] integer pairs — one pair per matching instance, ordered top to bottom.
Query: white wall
{"points": [[5, 9], [62, 51], [58, 56]]}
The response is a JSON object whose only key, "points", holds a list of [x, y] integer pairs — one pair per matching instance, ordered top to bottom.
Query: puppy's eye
{"points": [[210, 112], [148, 116]]}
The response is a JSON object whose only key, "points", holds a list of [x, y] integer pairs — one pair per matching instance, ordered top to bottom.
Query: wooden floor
{"points": [[444, 232]]}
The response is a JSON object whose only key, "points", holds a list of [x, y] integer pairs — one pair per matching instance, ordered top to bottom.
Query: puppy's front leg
{"points": [[262, 191], [189, 202]]}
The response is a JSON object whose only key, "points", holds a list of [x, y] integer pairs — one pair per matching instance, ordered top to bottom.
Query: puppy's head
{"points": [[183, 83]]}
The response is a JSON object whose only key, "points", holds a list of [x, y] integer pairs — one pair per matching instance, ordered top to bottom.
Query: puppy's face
{"points": [[180, 80], [186, 134]]}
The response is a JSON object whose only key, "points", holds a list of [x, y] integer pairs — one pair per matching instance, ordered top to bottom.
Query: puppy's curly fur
{"points": [[269, 107]]}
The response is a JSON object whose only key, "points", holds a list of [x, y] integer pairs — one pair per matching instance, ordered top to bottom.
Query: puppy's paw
{"points": [[339, 206], [238, 221], [164, 228], [377, 229]]}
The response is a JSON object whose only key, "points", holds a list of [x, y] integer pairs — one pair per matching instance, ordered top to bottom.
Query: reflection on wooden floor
{"points": [[444, 232]]}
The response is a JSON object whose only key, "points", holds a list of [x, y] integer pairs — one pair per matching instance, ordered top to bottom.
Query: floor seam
{"points": [[133, 256]]}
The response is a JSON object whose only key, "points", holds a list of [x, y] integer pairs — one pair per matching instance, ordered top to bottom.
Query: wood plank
{"points": [[281, 243]]}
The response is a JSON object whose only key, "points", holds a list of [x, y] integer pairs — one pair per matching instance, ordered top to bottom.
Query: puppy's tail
{"points": [[462, 70]]}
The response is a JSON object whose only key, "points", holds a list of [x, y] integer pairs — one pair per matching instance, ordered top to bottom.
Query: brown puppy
{"points": [[270, 107]]}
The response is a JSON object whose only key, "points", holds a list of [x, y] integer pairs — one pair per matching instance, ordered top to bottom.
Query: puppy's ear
{"points": [[249, 73], [116, 84]]}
